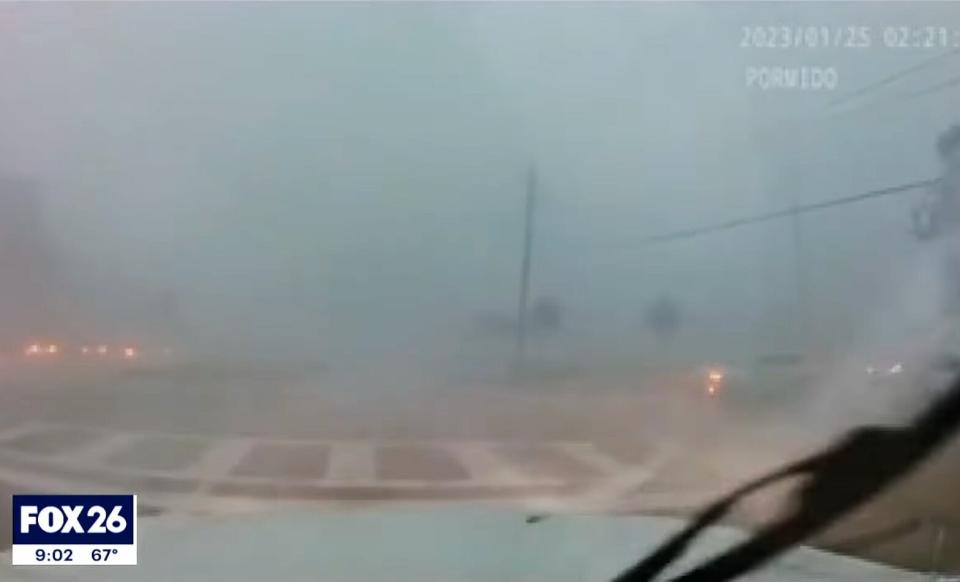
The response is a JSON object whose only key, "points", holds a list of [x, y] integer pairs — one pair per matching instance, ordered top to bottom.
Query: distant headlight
{"points": [[41, 350], [129, 353], [893, 370], [715, 379]]}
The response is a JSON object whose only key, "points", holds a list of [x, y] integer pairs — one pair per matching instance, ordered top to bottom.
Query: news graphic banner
{"points": [[74, 530]]}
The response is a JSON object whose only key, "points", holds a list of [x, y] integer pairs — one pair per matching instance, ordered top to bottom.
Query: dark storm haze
{"points": [[345, 183]]}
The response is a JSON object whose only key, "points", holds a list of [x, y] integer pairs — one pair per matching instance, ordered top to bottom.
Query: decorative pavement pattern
{"points": [[211, 472]]}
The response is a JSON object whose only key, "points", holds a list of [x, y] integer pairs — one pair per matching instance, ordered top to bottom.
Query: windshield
{"points": [[559, 259]]}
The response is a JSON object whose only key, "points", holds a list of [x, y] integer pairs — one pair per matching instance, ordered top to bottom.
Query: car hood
{"points": [[424, 544]]}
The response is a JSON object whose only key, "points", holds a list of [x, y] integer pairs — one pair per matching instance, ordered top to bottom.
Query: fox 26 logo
{"points": [[74, 519]]}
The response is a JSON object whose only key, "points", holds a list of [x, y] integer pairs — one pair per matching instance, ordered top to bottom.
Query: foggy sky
{"points": [[337, 176]]}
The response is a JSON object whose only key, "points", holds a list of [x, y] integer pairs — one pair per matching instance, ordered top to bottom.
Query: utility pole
{"points": [[530, 209], [800, 279]]}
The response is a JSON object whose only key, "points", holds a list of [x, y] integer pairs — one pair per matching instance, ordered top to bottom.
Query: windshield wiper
{"points": [[840, 478]]}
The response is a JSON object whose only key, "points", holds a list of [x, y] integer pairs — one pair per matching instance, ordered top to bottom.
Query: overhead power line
{"points": [[889, 79], [942, 86], [793, 211]]}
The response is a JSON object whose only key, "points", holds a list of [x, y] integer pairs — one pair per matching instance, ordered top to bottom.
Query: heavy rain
{"points": [[565, 258]]}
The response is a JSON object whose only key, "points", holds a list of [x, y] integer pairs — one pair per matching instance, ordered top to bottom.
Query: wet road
{"points": [[276, 435], [209, 439]]}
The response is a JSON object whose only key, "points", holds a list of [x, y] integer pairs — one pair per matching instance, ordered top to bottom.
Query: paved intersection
{"points": [[175, 468]]}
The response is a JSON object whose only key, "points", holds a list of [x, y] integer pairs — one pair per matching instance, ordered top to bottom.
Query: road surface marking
{"points": [[20, 430], [96, 451], [589, 454], [220, 457], [347, 464], [483, 464], [608, 494]]}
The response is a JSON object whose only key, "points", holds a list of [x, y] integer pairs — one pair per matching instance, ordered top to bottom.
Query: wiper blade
{"points": [[841, 478]]}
